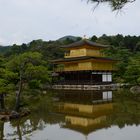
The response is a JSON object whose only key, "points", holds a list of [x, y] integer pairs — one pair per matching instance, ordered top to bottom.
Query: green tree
{"points": [[94, 38], [137, 47], [17, 49], [28, 66], [132, 74], [6, 85]]}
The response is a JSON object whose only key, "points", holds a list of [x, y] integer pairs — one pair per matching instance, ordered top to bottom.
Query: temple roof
{"points": [[84, 42], [82, 58]]}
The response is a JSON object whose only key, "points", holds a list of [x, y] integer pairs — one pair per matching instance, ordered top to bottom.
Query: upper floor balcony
{"points": [[84, 52], [67, 55]]}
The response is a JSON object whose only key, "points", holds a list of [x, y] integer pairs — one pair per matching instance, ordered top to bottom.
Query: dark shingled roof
{"points": [[85, 42], [82, 58]]}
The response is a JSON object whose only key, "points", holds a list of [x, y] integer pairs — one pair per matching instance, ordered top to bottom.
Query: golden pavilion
{"points": [[84, 63]]}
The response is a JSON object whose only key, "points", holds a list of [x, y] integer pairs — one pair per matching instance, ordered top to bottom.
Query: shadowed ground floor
{"points": [[82, 77]]}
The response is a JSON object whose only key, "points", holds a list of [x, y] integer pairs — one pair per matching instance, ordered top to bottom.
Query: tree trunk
{"points": [[18, 94], [2, 103], [1, 130], [19, 131]]}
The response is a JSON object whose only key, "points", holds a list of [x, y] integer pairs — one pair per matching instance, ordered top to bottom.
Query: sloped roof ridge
{"points": [[83, 42], [83, 58]]}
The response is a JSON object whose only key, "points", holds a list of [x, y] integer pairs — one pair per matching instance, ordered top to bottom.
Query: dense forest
{"points": [[28, 66]]}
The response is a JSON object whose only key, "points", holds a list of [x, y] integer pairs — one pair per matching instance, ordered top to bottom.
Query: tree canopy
{"points": [[31, 71]]}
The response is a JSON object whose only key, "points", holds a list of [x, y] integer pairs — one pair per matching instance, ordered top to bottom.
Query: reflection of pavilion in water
{"points": [[85, 113]]}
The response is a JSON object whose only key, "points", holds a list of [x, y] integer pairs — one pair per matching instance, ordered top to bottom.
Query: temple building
{"points": [[84, 63]]}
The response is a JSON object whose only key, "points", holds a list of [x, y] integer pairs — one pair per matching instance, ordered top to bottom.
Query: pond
{"points": [[78, 115]]}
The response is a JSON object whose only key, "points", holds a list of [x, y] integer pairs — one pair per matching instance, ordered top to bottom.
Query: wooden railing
{"points": [[83, 82]]}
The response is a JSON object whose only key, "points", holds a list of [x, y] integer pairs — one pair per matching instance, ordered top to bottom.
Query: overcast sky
{"points": [[22, 21]]}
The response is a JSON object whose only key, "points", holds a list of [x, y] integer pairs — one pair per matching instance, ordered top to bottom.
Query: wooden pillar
{"points": [[64, 78], [91, 78]]}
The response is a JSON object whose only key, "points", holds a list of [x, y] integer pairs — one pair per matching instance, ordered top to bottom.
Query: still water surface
{"points": [[102, 115]]}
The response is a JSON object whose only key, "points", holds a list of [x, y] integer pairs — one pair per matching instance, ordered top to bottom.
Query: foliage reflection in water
{"points": [[78, 116]]}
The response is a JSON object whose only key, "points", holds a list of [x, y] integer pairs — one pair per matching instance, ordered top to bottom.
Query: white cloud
{"points": [[25, 20], [2, 41]]}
